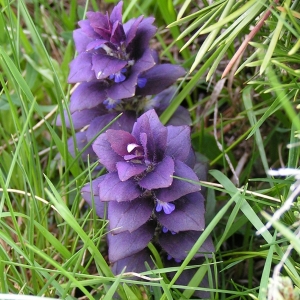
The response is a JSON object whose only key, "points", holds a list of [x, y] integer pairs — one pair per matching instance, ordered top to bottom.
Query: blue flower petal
{"points": [[119, 77], [141, 82], [166, 206]]}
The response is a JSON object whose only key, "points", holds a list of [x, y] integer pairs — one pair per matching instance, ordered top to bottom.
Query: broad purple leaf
{"points": [[116, 13], [97, 19], [100, 23], [131, 27], [87, 29], [117, 34], [143, 35], [81, 40], [95, 44], [144, 63], [106, 65], [81, 68], [160, 77], [126, 89], [96, 92], [162, 100], [180, 117], [79, 118], [125, 122], [98, 124], [150, 124], [80, 141], [119, 141], [144, 141], [178, 142], [106, 155], [191, 159], [127, 169], [201, 169], [160, 176], [179, 187], [113, 189], [90, 193], [188, 214], [129, 215], [126, 244], [178, 245], [134, 263]]}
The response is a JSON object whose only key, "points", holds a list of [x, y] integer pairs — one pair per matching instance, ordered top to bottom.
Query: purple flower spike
{"points": [[114, 59], [141, 193]]}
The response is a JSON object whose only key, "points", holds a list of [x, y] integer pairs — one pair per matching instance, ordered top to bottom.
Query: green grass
{"points": [[53, 245]]}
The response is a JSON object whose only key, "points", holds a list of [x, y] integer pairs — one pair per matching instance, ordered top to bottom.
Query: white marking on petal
{"points": [[99, 74], [131, 147]]}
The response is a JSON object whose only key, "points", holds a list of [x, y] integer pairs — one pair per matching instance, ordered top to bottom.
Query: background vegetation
{"points": [[53, 245]]}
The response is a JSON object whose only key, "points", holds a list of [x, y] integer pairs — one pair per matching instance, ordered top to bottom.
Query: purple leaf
{"points": [[116, 13], [100, 24], [131, 27], [87, 29], [117, 35], [143, 35], [81, 40], [95, 44], [143, 63], [105, 65], [81, 68], [160, 77], [126, 89], [97, 94], [162, 100], [180, 117], [79, 118], [125, 122], [150, 124], [119, 141], [81, 142], [178, 142], [106, 155], [191, 159], [127, 169], [201, 169], [160, 177], [179, 187], [113, 189], [90, 193], [188, 214], [130, 215], [126, 244], [178, 245], [134, 263]]}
